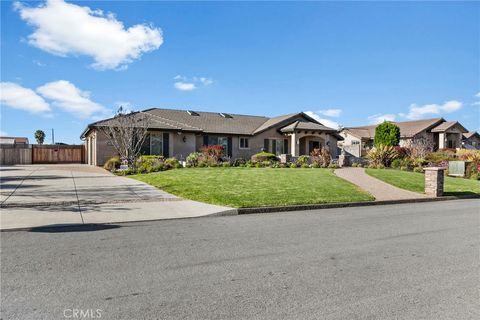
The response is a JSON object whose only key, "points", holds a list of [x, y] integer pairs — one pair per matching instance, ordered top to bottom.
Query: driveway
{"points": [[39, 195]]}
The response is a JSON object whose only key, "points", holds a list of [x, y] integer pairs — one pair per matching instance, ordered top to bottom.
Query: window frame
{"points": [[246, 146]]}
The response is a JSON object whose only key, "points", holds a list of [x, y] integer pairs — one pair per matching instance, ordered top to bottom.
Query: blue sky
{"points": [[350, 63]]}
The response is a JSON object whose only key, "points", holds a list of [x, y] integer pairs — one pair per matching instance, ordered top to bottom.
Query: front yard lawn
{"points": [[415, 181], [255, 187]]}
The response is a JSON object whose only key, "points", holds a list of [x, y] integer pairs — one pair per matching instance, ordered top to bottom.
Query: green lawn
{"points": [[415, 181], [254, 187]]}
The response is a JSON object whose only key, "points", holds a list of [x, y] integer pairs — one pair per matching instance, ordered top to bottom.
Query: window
{"points": [[223, 141], [355, 142], [244, 143], [156, 144], [276, 146]]}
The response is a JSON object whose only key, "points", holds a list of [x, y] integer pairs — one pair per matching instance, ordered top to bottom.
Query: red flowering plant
{"points": [[211, 154]]}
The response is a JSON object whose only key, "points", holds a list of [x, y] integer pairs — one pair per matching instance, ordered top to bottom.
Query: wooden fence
{"points": [[15, 154], [31, 154]]}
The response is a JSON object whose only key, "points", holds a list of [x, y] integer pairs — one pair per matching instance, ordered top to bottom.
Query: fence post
{"points": [[434, 181]]}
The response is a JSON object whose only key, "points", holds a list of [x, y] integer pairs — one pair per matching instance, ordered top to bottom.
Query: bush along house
{"points": [[177, 133]]}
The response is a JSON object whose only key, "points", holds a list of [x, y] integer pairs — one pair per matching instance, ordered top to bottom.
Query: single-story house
{"points": [[177, 133], [437, 133], [13, 140], [471, 140]]}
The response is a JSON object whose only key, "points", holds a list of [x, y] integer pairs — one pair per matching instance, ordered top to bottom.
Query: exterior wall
{"points": [[473, 141], [351, 144], [182, 145], [103, 149]]}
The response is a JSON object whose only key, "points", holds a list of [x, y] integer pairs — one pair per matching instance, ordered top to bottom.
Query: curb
{"points": [[349, 204]]}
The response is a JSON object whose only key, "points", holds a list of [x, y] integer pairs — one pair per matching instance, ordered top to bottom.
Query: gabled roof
{"points": [[274, 121], [302, 125], [447, 125], [408, 129], [471, 134], [13, 140]]}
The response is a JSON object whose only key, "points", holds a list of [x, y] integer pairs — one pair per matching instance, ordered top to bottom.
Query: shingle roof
{"points": [[212, 122], [302, 125], [447, 125], [407, 128], [470, 134]]}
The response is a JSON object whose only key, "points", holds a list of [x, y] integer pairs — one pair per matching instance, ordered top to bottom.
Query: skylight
{"points": [[192, 113], [225, 115]]}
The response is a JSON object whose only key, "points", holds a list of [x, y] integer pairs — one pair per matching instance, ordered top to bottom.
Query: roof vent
{"points": [[192, 113], [225, 115]]}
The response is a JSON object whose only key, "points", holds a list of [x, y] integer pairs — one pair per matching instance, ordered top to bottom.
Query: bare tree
{"points": [[127, 133], [421, 147]]}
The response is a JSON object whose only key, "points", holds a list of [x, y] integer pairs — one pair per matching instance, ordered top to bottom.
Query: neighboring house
{"points": [[177, 133], [437, 133], [13, 140], [471, 140]]}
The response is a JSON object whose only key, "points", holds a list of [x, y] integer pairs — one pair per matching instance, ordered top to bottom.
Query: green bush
{"points": [[387, 134], [383, 155], [264, 156], [439, 156], [193, 158], [302, 160], [239, 162], [112, 163], [172, 163], [202, 164], [226, 164], [354, 164], [396, 164], [293, 165], [305, 165], [316, 165], [333, 166], [380, 166], [404, 168], [418, 169]]}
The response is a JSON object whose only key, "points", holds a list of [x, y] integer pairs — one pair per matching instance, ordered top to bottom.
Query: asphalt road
{"points": [[414, 261]]}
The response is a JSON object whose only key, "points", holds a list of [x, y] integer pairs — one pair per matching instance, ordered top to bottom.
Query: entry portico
{"points": [[307, 136]]}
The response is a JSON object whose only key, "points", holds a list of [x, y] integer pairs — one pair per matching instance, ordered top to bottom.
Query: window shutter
{"points": [[205, 140], [166, 144], [146, 145], [265, 145], [229, 146], [274, 146], [285, 146]]}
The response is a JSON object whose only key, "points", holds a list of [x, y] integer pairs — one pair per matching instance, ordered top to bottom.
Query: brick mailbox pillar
{"points": [[434, 181]]}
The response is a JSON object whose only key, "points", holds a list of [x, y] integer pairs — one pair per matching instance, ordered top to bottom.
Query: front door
{"points": [[313, 145]]}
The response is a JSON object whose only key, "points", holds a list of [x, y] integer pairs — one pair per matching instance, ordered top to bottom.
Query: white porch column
{"points": [[441, 140], [294, 146]]}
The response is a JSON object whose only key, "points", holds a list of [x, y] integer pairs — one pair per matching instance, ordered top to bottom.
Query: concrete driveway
{"points": [[40, 195]]}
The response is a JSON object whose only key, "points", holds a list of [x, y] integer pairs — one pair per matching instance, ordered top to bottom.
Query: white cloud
{"points": [[67, 29], [185, 83], [184, 86], [477, 95], [18, 97], [71, 99], [477, 103], [331, 112], [417, 112], [379, 118], [325, 122]]}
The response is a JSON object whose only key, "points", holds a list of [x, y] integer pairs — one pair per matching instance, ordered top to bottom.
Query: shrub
{"points": [[387, 134], [403, 152], [212, 154], [382, 155], [469, 155], [264, 156], [321, 156], [439, 156], [192, 159], [302, 160], [238, 162], [112, 163], [149, 163], [172, 163], [267, 163], [396, 163], [202, 164], [226, 164], [249, 164], [354, 164], [213, 165], [293, 165], [305, 165], [316, 165], [333, 166], [372, 166], [380, 166], [404, 168], [418, 169], [471, 169], [475, 176]]}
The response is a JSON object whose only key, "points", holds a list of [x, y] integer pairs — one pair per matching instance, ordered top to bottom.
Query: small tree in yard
{"points": [[127, 133], [387, 134], [39, 136]]}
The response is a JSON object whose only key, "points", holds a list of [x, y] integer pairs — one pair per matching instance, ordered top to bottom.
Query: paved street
{"points": [[410, 261]]}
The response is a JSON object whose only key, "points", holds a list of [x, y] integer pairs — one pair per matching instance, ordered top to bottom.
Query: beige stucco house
{"points": [[177, 133], [437, 133], [471, 140]]}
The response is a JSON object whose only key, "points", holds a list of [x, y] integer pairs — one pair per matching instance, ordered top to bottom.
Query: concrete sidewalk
{"points": [[380, 190], [41, 195]]}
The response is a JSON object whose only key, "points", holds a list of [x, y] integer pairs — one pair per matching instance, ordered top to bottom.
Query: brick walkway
{"points": [[379, 189]]}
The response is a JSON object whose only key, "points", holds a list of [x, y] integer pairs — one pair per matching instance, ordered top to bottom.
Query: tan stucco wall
{"points": [[181, 149]]}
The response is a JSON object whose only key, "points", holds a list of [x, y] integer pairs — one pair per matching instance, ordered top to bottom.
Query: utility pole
{"points": [[53, 136]]}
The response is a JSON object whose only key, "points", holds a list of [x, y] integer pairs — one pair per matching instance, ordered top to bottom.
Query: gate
{"points": [[58, 154]]}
